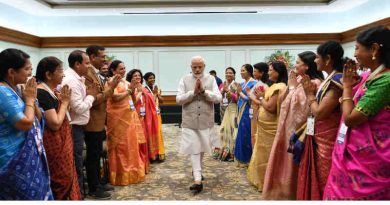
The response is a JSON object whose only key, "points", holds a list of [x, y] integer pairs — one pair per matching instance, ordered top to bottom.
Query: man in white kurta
{"points": [[197, 93]]}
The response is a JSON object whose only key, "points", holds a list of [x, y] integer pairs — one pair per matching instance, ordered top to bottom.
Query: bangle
{"points": [[345, 99], [28, 105]]}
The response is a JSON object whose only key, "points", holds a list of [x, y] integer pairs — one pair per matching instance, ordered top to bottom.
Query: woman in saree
{"points": [[260, 73], [150, 79], [146, 109], [267, 122], [322, 123], [228, 129], [124, 131], [57, 135], [243, 147], [22, 154], [361, 156], [281, 174]]}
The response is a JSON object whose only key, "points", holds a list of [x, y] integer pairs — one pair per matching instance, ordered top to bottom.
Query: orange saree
{"points": [[124, 131]]}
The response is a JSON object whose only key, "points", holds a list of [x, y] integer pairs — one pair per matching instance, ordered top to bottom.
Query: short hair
{"points": [[379, 35], [94, 49], [335, 51], [75, 56], [11, 58], [198, 58], [308, 58], [47, 64], [113, 66], [248, 68], [280, 68], [232, 69], [213, 72], [130, 74], [148, 74]]}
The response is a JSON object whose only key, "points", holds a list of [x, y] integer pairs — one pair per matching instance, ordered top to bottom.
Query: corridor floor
{"points": [[170, 180]]}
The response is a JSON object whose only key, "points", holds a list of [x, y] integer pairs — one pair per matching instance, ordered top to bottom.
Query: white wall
{"points": [[170, 63]]}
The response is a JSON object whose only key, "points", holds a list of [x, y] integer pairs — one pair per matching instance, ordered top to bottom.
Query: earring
{"points": [[373, 58]]}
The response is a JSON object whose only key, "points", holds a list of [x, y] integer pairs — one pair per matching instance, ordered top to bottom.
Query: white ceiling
{"points": [[199, 7], [52, 19]]}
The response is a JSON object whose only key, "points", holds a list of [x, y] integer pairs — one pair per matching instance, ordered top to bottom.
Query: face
{"points": [[363, 55], [99, 59], [320, 61], [84, 66], [197, 66], [300, 67], [104, 70], [121, 70], [244, 73], [257, 74], [21, 75], [229, 75], [273, 75], [57, 76], [136, 77], [151, 80]]}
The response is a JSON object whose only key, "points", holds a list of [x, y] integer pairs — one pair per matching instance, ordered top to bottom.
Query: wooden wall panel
{"points": [[18, 37]]}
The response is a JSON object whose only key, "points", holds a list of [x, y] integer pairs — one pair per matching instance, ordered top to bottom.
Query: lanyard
{"points": [[250, 79], [49, 90], [17, 92]]}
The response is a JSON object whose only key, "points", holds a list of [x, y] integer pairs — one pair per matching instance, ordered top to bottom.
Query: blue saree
{"points": [[243, 148], [24, 174]]}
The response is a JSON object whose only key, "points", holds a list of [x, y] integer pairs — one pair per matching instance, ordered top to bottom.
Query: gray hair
{"points": [[198, 58]]}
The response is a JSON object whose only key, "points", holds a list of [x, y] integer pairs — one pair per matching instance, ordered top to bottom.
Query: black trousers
{"points": [[94, 142], [78, 145]]}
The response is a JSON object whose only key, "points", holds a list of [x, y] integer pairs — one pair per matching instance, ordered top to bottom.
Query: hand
{"points": [[350, 76], [292, 79], [113, 82], [308, 86], [225, 87], [201, 88], [239, 89], [92, 90], [155, 90], [196, 90], [248, 90], [30, 91], [258, 93], [65, 94], [228, 94]]}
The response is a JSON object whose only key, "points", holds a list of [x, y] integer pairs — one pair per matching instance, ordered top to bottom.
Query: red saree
{"points": [[59, 152]]}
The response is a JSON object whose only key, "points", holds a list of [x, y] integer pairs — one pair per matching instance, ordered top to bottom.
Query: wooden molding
{"points": [[350, 35], [18, 37], [199, 40], [168, 41], [169, 100]]}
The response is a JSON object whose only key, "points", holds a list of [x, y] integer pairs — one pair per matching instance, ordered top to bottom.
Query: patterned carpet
{"points": [[171, 179]]}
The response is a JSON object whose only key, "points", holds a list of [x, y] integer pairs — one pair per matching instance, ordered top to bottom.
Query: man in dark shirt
{"points": [[217, 109]]}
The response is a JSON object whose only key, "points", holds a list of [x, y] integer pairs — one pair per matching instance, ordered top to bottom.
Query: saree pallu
{"points": [[254, 119], [150, 123], [228, 129], [266, 130], [123, 131], [160, 139], [243, 147], [59, 151], [317, 158], [361, 165], [26, 175], [281, 175]]}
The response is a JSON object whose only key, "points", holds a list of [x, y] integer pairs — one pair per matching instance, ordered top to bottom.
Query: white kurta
{"points": [[195, 141]]}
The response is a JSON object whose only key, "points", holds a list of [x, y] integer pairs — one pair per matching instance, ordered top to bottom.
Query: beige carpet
{"points": [[171, 179]]}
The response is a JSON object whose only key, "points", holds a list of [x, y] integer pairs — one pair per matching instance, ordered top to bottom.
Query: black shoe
{"points": [[106, 187], [196, 188], [99, 194]]}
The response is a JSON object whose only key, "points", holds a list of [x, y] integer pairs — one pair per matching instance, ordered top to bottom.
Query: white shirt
{"points": [[80, 103]]}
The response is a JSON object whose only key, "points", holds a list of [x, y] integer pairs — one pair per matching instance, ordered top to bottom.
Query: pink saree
{"points": [[361, 164]]}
